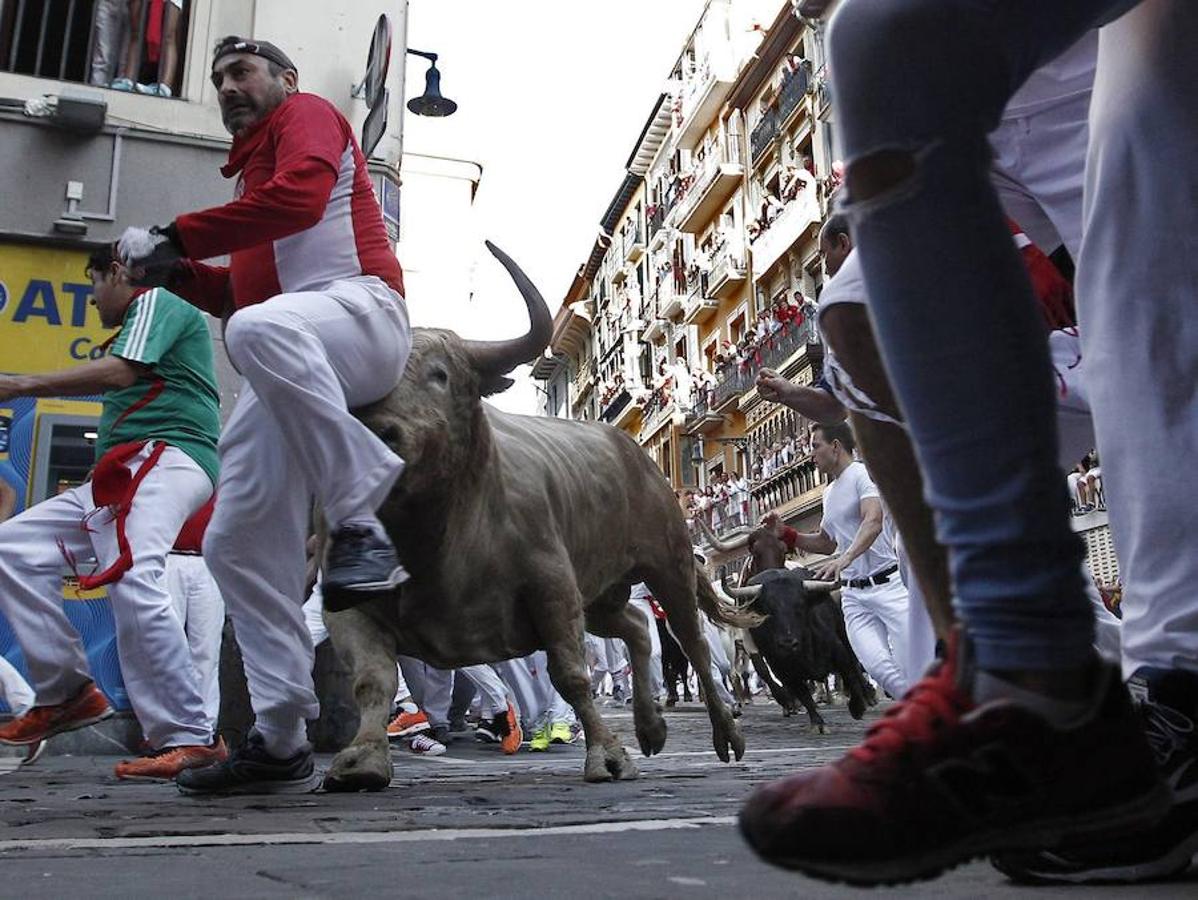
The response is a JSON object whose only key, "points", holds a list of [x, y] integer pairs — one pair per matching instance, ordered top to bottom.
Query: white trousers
{"points": [[1039, 172], [1137, 277], [307, 359], [201, 611], [876, 619], [921, 636], [155, 660], [720, 666], [528, 680], [657, 681], [437, 691], [18, 693]]}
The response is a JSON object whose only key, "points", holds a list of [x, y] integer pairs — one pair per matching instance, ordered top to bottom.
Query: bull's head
{"points": [[434, 417]]}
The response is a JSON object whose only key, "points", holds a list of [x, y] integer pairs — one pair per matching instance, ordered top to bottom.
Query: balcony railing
{"points": [[794, 89], [765, 132], [657, 218], [777, 350], [615, 406], [798, 480]]}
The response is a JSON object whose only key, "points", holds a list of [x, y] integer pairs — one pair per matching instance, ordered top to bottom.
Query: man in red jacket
{"points": [[316, 322]]}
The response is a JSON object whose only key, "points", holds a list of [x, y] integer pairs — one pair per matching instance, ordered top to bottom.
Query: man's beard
{"points": [[245, 113]]}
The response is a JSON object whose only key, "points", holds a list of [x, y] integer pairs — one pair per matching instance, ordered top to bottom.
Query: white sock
{"points": [[408, 706]]}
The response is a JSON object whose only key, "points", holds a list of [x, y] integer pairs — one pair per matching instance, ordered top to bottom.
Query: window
{"points": [[97, 42]]}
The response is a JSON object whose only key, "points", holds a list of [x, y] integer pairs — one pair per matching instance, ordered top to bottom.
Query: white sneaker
{"points": [[423, 745]]}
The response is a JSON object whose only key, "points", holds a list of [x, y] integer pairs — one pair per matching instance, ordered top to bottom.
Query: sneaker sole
{"points": [[397, 577], [63, 729], [410, 730], [305, 785], [1142, 813], [1175, 862]]}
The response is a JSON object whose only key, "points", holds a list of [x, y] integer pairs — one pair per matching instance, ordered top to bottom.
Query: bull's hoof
{"points": [[856, 707], [819, 725], [651, 732], [726, 736], [609, 765], [360, 767]]}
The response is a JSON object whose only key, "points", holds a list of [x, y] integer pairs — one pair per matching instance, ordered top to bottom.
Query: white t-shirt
{"points": [[1070, 74], [847, 285], [842, 519], [640, 591]]}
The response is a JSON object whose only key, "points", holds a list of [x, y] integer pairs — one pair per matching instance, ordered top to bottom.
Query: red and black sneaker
{"points": [[940, 780]]}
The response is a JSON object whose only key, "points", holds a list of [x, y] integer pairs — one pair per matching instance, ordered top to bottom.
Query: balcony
{"points": [[792, 94], [702, 96], [763, 135], [715, 180], [796, 217], [657, 218], [633, 240], [728, 269], [669, 301], [699, 308], [655, 330], [781, 347], [584, 380], [627, 415], [702, 419], [796, 489]]}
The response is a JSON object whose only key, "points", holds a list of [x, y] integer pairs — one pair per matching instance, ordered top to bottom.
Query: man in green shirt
{"points": [[156, 466]]}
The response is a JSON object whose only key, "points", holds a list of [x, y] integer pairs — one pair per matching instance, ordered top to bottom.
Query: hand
{"points": [[150, 253], [771, 386], [830, 569]]}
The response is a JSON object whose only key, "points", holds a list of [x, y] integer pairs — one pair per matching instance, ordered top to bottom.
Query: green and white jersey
{"points": [[176, 399]]}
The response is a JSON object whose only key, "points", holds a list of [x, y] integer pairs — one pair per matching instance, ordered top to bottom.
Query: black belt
{"points": [[186, 553], [873, 580]]}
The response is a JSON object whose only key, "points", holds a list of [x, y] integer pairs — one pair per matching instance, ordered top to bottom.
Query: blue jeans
{"points": [[953, 308]]}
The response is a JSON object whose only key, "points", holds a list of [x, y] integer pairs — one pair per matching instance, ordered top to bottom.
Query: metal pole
{"points": [[16, 35], [41, 41], [66, 42]]}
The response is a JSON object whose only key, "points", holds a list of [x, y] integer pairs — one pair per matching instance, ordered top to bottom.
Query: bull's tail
{"points": [[719, 610]]}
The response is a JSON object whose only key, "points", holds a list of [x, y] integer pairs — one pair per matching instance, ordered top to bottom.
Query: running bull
{"points": [[518, 533], [803, 639]]}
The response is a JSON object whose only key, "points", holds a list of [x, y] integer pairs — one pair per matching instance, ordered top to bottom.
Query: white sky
{"points": [[552, 95]]}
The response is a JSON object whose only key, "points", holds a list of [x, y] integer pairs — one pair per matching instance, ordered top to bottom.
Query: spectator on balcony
{"points": [[108, 30], [154, 31], [797, 178], [789, 452], [741, 498]]}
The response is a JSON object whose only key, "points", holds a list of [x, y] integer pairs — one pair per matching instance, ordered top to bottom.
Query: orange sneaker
{"points": [[87, 707], [407, 723], [510, 742], [165, 764]]}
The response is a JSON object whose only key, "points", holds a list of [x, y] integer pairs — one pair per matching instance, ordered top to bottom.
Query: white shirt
{"points": [[1070, 74], [847, 285], [842, 519], [640, 591]]}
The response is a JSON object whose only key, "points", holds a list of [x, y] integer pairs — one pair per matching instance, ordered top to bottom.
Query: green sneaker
{"points": [[561, 733], [540, 739]]}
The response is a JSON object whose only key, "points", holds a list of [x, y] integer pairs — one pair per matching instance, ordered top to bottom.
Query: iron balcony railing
{"points": [[794, 89], [765, 132], [782, 346]]}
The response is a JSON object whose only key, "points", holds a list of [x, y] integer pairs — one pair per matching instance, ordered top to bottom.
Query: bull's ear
{"points": [[494, 384]]}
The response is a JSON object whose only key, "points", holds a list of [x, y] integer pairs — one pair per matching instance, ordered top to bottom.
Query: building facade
{"points": [[707, 269]]}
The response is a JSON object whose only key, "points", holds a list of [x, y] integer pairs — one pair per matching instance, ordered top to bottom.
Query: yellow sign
{"points": [[47, 320]]}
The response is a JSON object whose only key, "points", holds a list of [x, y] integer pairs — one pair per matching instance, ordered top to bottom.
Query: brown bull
{"points": [[518, 533]]}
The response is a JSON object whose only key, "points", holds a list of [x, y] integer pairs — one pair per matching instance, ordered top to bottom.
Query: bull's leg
{"points": [[676, 594], [559, 617], [629, 625], [367, 646], [803, 691], [784, 697]]}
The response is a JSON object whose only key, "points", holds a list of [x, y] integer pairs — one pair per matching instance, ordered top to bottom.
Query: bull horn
{"points": [[500, 357], [732, 546], [820, 587], [748, 593]]}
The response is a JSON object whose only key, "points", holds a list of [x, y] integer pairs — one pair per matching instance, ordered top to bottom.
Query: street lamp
{"points": [[431, 103]]}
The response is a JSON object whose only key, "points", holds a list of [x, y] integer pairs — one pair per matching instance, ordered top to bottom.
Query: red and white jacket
{"points": [[305, 216]]}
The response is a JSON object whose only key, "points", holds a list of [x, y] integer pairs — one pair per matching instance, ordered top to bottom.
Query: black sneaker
{"points": [[362, 564], [1168, 703], [251, 770]]}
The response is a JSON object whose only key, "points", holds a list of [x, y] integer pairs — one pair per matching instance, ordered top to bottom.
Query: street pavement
{"points": [[473, 822]]}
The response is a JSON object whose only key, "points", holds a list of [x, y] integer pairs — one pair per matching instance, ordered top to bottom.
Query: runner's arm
{"points": [[95, 377], [867, 531], [814, 542]]}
